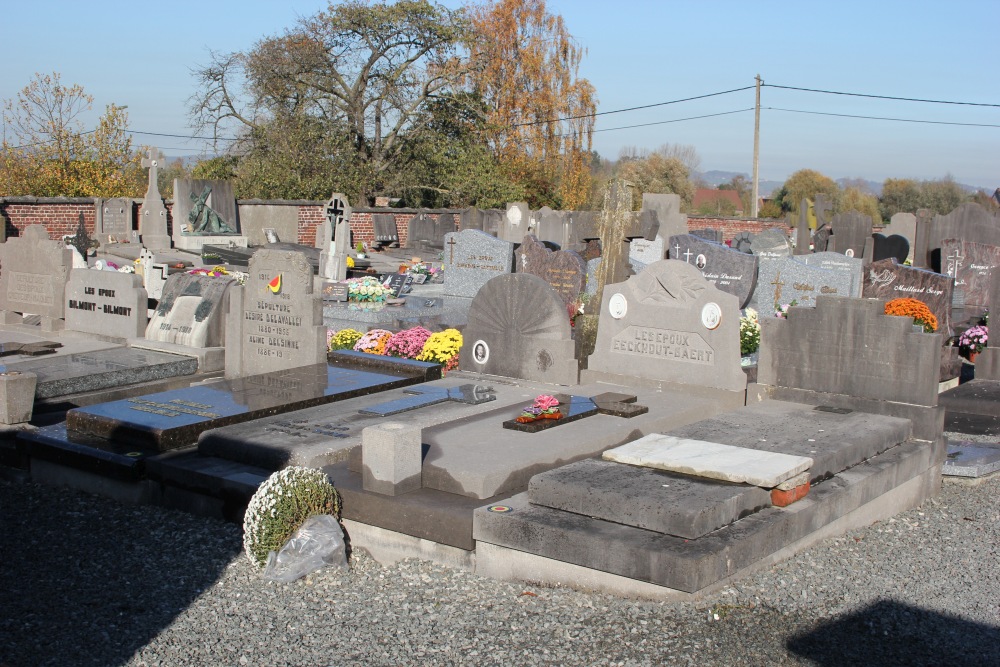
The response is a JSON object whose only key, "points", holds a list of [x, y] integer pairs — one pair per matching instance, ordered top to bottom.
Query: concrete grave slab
{"points": [[711, 460], [645, 498]]}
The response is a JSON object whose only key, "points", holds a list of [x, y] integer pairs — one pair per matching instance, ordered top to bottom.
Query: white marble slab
{"points": [[710, 459]]}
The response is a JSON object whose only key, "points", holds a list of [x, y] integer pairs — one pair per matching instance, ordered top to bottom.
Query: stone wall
{"points": [[60, 216]]}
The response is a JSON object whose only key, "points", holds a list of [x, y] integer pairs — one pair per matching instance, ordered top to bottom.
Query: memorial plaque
{"points": [[114, 221], [471, 258], [835, 261], [970, 264], [564, 270], [730, 270], [34, 275], [887, 279], [782, 281], [398, 283], [335, 291], [108, 303], [192, 311], [275, 318]]}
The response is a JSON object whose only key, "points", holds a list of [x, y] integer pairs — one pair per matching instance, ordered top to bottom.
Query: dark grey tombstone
{"points": [[667, 208], [821, 208], [152, 213], [113, 222], [970, 222], [445, 223], [585, 227], [851, 230], [385, 232], [421, 233], [713, 235], [81, 239], [821, 240], [743, 242], [922, 242], [890, 247], [471, 259], [834, 261], [970, 264], [564, 270], [729, 270], [34, 275], [887, 279], [782, 281], [106, 303], [192, 311], [275, 319], [668, 325], [518, 327], [847, 353]]}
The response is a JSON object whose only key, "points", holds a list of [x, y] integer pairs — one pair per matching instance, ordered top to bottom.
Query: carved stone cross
{"points": [[153, 163]]}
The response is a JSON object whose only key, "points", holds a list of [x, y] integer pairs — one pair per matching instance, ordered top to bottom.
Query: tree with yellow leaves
{"points": [[540, 113]]}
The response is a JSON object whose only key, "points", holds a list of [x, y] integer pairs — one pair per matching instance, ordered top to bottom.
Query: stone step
{"points": [[654, 500]]}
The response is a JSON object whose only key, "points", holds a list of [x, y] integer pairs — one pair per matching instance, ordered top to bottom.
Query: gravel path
{"points": [[86, 581]]}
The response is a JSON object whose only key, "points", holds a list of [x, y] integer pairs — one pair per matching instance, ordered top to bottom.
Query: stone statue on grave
{"points": [[203, 219]]}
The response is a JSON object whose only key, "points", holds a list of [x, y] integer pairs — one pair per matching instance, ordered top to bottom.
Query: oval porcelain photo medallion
{"points": [[617, 306], [711, 315], [480, 352]]}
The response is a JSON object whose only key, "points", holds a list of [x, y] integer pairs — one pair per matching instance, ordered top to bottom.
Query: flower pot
{"points": [[972, 357]]}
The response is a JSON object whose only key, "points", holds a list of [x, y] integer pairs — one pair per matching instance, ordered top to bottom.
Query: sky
{"points": [[639, 53]]}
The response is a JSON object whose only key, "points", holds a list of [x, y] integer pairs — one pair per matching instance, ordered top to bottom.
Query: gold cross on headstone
{"points": [[451, 244], [777, 287]]}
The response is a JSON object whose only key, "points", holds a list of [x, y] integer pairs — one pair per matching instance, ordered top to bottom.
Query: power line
{"points": [[881, 97], [645, 106], [675, 120], [899, 120], [182, 136], [49, 141]]}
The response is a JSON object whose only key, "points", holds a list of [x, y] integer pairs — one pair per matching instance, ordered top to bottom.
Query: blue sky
{"points": [[640, 52]]}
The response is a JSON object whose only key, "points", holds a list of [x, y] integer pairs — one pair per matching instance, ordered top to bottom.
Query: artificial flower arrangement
{"points": [[418, 267], [220, 271], [367, 288], [577, 307], [781, 310], [918, 310], [749, 332], [973, 340], [373, 342], [408, 343], [544, 407], [281, 505]]}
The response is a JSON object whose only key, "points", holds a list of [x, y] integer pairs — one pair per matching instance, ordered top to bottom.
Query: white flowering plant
{"points": [[749, 332], [281, 505]]}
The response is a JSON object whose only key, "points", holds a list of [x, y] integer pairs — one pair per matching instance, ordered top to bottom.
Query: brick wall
{"points": [[59, 215], [732, 226]]}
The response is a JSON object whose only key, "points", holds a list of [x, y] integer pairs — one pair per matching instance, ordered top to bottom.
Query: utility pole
{"points": [[756, 151]]}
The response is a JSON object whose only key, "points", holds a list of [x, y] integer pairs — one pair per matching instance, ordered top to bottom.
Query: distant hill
{"points": [[715, 178]]}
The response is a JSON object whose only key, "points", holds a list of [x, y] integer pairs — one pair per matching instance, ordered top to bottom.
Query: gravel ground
{"points": [[87, 581]]}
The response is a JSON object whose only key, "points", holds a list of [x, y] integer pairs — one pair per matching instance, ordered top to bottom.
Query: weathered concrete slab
{"points": [[834, 441], [711, 460], [644, 498], [692, 565]]}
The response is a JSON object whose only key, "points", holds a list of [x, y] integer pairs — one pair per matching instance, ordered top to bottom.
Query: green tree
{"points": [[362, 71], [658, 173], [805, 184], [899, 195], [942, 196], [854, 199]]}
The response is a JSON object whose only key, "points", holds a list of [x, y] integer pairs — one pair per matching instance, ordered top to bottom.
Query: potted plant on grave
{"points": [[360, 250], [913, 308], [749, 336], [972, 341], [544, 407]]}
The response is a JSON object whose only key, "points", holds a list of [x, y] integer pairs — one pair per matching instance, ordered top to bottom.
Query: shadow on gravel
{"points": [[87, 581], [894, 633]]}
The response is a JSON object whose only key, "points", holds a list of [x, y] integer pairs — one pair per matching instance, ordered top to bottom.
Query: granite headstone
{"points": [[153, 214], [113, 222], [905, 225], [851, 230], [386, 233], [743, 241], [771, 243], [890, 247], [471, 258], [835, 261], [970, 264], [564, 270], [729, 270], [887, 279], [782, 281], [107, 303]]}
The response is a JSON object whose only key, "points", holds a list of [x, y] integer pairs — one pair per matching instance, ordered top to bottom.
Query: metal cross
{"points": [[452, 243]]}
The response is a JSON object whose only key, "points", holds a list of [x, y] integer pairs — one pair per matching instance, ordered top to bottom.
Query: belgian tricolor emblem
{"points": [[275, 284]]}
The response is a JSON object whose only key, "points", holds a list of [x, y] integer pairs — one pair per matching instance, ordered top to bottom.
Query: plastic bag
{"points": [[317, 543]]}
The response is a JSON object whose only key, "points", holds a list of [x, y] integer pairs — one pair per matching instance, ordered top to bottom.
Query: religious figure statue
{"points": [[203, 219]]}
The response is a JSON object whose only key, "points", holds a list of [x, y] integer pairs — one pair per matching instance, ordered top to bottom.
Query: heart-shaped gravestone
{"points": [[890, 247]]}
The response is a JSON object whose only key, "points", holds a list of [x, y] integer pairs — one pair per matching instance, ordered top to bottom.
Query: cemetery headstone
{"points": [[667, 208], [205, 212], [153, 214], [471, 218], [492, 220], [113, 221], [515, 222], [970, 222], [445, 223], [905, 225], [553, 227], [584, 227], [850, 230], [803, 232], [386, 233], [424, 233], [713, 235], [333, 238], [81, 240], [922, 240], [743, 241], [771, 243], [890, 247], [647, 252], [471, 258], [834, 261], [970, 264], [563, 270], [729, 270], [34, 275], [887, 279], [782, 281], [107, 303], [192, 311], [275, 319], [668, 324], [518, 327], [988, 361]]}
